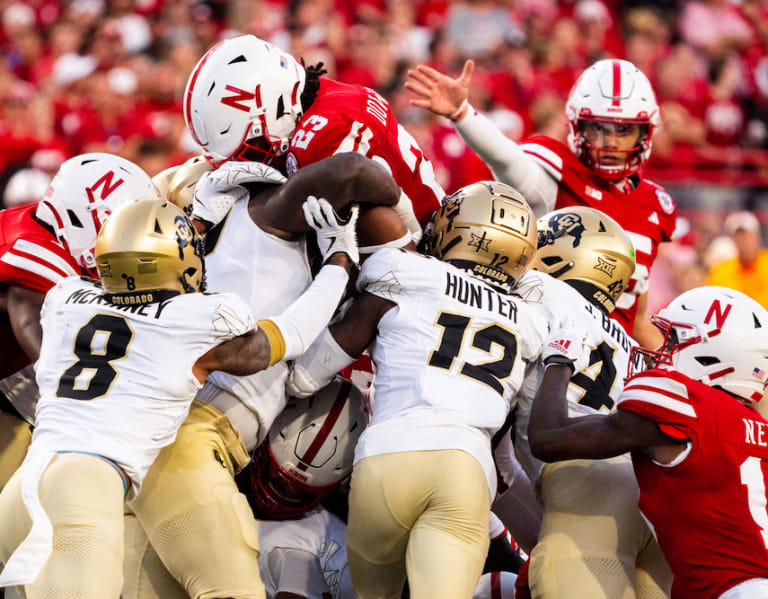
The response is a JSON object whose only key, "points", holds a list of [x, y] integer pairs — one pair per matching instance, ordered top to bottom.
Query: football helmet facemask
{"points": [[611, 96], [243, 100], [85, 190], [487, 229], [149, 245], [588, 250], [717, 336], [309, 451]]}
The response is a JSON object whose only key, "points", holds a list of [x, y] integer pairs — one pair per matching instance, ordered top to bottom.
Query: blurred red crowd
{"points": [[109, 75]]}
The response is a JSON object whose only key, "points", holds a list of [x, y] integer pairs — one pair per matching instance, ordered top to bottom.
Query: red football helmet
{"points": [[609, 96], [309, 451]]}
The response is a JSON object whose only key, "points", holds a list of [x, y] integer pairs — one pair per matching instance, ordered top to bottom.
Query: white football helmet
{"points": [[612, 91], [243, 100], [85, 190], [717, 336], [308, 452]]}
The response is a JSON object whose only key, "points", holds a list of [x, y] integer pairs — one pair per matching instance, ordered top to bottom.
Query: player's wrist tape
{"points": [[461, 112], [276, 340]]}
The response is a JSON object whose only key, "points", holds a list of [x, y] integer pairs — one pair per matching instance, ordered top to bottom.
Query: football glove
{"points": [[217, 191], [334, 234], [567, 346]]}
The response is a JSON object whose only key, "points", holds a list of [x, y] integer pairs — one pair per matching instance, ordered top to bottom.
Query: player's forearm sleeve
{"points": [[509, 163], [301, 323], [319, 364]]}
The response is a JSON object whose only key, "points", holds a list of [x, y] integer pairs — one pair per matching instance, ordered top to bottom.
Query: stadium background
{"points": [[109, 75]]}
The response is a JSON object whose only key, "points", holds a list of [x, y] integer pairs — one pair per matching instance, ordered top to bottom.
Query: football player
{"points": [[248, 100], [612, 113], [40, 245], [259, 253], [450, 347], [118, 369], [691, 426], [306, 456], [592, 536]]}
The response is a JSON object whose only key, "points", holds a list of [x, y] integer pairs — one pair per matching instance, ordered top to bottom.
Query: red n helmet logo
{"points": [[240, 95], [107, 187], [717, 311]]}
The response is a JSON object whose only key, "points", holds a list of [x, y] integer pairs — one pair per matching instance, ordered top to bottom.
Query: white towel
{"points": [[30, 556]]}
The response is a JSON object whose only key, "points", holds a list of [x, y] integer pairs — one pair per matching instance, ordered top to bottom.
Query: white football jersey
{"points": [[268, 274], [450, 357], [117, 381], [593, 390], [318, 533]]}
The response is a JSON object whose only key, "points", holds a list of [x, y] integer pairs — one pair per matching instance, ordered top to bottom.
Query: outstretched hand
{"points": [[437, 92]]}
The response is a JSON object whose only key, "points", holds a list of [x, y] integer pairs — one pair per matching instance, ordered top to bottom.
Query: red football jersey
{"points": [[353, 118], [646, 212], [30, 257], [708, 510]]}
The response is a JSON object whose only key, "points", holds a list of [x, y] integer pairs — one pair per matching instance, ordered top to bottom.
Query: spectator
{"points": [[748, 271]]}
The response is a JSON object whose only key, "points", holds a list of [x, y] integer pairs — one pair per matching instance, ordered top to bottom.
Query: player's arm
{"points": [[448, 97], [342, 179], [23, 308], [644, 331], [289, 334], [339, 345], [554, 435]]}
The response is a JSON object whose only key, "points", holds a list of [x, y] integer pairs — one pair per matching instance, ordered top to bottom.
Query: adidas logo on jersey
{"points": [[653, 218]]}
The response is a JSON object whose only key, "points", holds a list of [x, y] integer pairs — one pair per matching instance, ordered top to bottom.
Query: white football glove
{"points": [[217, 191], [334, 234], [567, 346]]}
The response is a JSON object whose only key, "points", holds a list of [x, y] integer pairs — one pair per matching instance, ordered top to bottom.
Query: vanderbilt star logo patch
{"points": [[480, 242], [605, 266]]}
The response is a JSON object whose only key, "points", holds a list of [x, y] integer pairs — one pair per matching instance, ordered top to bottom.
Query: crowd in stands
{"points": [[108, 75]]}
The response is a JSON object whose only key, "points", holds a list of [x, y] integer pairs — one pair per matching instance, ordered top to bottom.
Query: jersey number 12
{"points": [[489, 373]]}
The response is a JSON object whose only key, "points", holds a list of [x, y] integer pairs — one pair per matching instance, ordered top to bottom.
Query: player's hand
{"points": [[437, 92], [217, 191], [334, 234], [567, 346]]}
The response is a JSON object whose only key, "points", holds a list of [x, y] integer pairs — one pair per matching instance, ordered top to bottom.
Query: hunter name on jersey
{"points": [[478, 295]]}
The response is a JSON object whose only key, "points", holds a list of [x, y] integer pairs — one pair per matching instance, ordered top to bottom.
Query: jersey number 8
{"points": [[104, 339]]}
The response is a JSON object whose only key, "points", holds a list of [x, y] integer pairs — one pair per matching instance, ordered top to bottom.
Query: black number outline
{"points": [[116, 347], [491, 373], [595, 388]]}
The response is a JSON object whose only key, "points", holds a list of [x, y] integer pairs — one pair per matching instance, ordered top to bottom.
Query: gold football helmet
{"points": [[162, 180], [177, 183], [181, 189], [488, 229], [148, 245], [588, 250]]}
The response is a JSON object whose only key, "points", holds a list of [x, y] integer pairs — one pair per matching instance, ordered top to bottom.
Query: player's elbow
{"points": [[369, 181], [546, 445]]}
